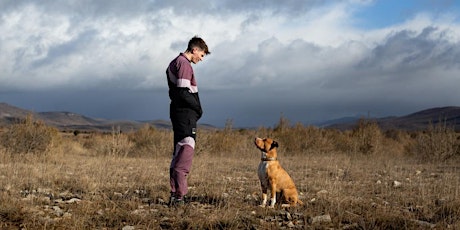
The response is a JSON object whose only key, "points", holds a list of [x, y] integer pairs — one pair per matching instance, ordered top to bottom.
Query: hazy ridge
{"points": [[68, 121]]}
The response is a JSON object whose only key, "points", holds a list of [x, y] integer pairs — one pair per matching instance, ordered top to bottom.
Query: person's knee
{"points": [[179, 171]]}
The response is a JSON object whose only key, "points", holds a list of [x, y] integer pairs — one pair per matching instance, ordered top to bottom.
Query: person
{"points": [[184, 111]]}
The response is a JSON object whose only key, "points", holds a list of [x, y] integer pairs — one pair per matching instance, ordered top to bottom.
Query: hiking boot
{"points": [[174, 202], [179, 202]]}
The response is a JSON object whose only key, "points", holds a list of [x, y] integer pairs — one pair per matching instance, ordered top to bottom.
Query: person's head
{"points": [[197, 49]]}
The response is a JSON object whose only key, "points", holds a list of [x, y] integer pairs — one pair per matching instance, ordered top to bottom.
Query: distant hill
{"points": [[9, 113], [450, 116], [342, 120], [68, 121]]}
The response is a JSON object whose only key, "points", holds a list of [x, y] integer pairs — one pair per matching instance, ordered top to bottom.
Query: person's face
{"points": [[197, 55]]}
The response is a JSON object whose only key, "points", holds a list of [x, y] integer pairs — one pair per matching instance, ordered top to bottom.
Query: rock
{"points": [[397, 184], [322, 192], [118, 194], [66, 195], [73, 200], [58, 211], [138, 212], [288, 216], [321, 219], [128, 227]]}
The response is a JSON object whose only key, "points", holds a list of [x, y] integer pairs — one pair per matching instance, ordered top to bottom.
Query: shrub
{"points": [[29, 136], [367, 137], [305, 139], [149, 141], [224, 142], [438, 143], [116, 144]]}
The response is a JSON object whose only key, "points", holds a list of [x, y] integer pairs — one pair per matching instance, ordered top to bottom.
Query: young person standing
{"points": [[185, 111]]}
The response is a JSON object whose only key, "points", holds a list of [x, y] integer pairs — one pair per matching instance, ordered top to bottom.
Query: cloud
{"points": [[87, 44], [309, 60]]}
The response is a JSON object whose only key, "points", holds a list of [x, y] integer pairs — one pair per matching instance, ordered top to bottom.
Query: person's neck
{"points": [[188, 55]]}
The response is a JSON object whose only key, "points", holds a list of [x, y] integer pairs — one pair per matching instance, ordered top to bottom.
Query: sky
{"points": [[304, 60]]}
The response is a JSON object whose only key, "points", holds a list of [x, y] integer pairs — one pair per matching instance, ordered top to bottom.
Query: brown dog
{"points": [[272, 176]]}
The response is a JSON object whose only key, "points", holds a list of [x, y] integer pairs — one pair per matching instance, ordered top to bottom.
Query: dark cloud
{"points": [[408, 50]]}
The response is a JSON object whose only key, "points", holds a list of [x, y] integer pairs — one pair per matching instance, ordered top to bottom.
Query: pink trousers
{"points": [[180, 167]]}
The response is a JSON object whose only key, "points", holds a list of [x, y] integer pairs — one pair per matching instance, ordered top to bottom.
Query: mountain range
{"points": [[421, 120], [68, 121]]}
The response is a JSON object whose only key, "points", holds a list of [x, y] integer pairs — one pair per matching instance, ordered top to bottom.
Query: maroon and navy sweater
{"points": [[185, 108]]}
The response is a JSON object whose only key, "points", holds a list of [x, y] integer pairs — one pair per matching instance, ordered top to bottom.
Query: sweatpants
{"points": [[180, 166]]}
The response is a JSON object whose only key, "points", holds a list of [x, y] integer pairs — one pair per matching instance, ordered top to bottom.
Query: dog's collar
{"points": [[268, 159]]}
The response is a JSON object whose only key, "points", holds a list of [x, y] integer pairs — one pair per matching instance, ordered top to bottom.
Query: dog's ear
{"points": [[274, 145]]}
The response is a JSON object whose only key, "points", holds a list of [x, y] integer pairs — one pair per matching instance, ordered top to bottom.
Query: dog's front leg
{"points": [[273, 194], [264, 196]]}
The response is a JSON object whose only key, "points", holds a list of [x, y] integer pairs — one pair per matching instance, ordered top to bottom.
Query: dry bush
{"points": [[30, 136], [367, 137], [306, 140], [149, 141], [224, 142], [397, 142], [438, 143], [114, 144], [10, 212]]}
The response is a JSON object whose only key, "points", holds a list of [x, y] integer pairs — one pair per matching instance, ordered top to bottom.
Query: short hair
{"points": [[199, 43]]}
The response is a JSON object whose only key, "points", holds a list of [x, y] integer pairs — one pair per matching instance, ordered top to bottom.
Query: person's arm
{"points": [[187, 99]]}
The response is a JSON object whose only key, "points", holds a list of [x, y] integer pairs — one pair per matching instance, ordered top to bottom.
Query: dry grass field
{"points": [[364, 178]]}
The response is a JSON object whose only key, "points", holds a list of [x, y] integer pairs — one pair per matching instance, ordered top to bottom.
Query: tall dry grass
{"points": [[364, 178]]}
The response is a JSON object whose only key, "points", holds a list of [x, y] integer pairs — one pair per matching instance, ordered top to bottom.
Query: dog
{"points": [[273, 177]]}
